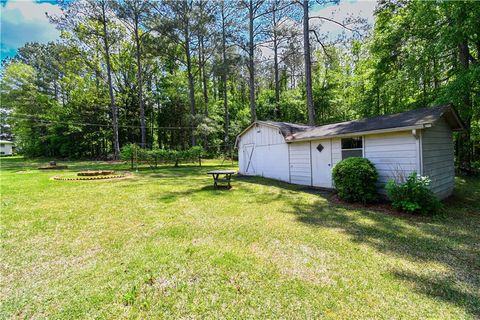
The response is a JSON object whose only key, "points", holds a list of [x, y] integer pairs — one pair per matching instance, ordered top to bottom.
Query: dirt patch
{"points": [[91, 173], [382, 206]]}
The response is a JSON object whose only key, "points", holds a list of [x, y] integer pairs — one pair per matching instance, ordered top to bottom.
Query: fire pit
{"points": [[92, 173]]}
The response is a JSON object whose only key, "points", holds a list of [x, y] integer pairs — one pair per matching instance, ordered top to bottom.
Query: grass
{"points": [[164, 244]]}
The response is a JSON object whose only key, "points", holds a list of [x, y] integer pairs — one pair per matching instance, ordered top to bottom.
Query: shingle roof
{"points": [[418, 118], [286, 128]]}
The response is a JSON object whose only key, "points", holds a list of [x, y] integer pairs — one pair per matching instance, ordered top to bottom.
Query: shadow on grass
{"points": [[450, 241]]}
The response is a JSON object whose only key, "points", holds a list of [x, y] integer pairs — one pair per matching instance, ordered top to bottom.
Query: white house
{"points": [[397, 144], [6, 147]]}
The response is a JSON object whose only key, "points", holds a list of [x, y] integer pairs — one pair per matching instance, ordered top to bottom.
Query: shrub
{"points": [[133, 153], [355, 180], [413, 195]]}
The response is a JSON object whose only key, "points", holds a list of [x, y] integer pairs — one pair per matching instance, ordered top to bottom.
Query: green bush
{"points": [[132, 152], [355, 180], [413, 195]]}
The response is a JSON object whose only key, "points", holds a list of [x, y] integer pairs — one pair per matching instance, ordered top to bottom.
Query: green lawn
{"points": [[164, 244]]}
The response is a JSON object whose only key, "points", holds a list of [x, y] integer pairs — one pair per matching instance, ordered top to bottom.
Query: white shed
{"points": [[418, 140], [6, 147]]}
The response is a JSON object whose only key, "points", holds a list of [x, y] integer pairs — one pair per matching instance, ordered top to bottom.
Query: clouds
{"points": [[343, 12], [25, 21], [329, 32]]}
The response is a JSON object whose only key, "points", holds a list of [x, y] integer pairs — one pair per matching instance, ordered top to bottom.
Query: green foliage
{"points": [[58, 95], [134, 153], [355, 180], [413, 195]]}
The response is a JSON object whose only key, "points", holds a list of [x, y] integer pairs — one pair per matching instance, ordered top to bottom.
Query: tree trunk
{"points": [[251, 63], [308, 64], [275, 65], [204, 75], [224, 80], [203, 81], [191, 84], [143, 131], [116, 145], [465, 153]]}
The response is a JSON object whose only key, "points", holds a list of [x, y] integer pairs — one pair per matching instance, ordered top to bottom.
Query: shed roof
{"points": [[413, 119], [286, 128], [6, 142]]}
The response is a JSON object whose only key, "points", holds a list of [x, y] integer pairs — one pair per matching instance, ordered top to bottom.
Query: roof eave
{"points": [[458, 120], [361, 133]]}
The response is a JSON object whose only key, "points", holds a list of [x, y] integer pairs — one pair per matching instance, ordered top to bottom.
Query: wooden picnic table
{"points": [[227, 176]]}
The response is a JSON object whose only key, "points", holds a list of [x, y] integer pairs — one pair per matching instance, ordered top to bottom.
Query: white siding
{"points": [[262, 135], [336, 151], [270, 153], [395, 155], [438, 158], [272, 161], [300, 164]]}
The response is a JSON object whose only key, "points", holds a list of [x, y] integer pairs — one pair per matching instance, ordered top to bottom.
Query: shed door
{"points": [[249, 158], [300, 163], [322, 163]]}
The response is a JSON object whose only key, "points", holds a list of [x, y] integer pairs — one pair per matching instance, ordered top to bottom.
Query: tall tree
{"points": [[255, 10], [134, 13], [179, 14], [76, 18], [225, 23], [353, 25], [280, 33], [308, 63]]}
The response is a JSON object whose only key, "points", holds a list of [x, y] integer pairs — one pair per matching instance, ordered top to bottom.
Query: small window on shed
{"points": [[2, 144], [352, 147]]}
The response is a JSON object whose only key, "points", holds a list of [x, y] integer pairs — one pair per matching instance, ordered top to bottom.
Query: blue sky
{"points": [[25, 21]]}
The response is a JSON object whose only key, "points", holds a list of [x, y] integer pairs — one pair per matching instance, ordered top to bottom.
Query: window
{"points": [[2, 144], [352, 147]]}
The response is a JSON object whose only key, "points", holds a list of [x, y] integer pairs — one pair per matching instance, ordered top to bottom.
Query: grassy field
{"points": [[164, 244]]}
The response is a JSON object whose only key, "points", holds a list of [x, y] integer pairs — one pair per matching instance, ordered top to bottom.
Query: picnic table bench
{"points": [[217, 173]]}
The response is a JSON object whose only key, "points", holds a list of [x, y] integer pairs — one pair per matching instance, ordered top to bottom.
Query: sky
{"points": [[342, 11], [25, 21]]}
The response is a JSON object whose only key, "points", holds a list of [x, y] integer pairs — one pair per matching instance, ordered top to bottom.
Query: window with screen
{"points": [[352, 147]]}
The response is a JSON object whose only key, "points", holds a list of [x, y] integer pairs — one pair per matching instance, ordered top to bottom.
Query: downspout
{"points": [[417, 134], [420, 152], [289, 171]]}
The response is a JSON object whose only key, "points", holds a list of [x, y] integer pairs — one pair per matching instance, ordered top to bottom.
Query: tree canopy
{"points": [[175, 74]]}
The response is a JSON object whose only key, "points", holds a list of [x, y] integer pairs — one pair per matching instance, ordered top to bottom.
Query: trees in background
{"points": [[134, 14], [174, 74]]}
